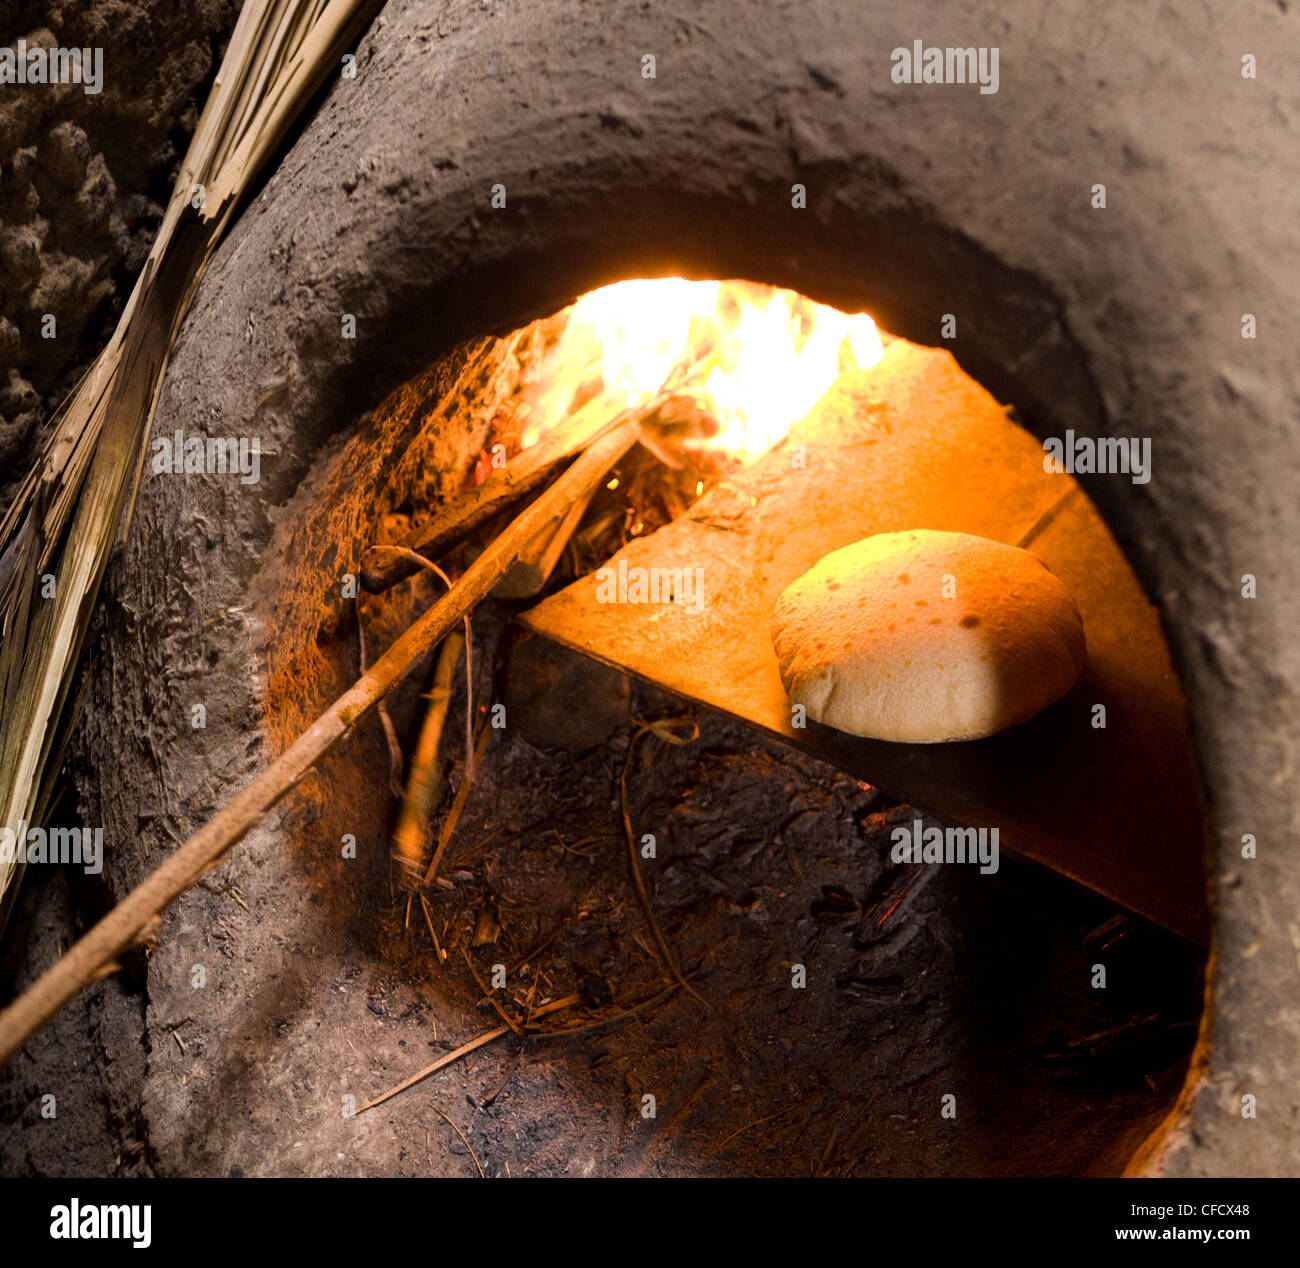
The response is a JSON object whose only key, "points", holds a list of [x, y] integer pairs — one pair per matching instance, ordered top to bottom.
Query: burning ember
{"points": [[753, 359]]}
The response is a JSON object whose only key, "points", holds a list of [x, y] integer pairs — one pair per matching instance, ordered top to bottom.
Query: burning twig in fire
{"points": [[660, 413], [384, 566]]}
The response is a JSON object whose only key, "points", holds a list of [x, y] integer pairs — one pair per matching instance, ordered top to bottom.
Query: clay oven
{"points": [[364, 321]]}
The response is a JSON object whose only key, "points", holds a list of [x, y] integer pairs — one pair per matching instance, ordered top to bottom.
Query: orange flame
{"points": [[756, 358]]}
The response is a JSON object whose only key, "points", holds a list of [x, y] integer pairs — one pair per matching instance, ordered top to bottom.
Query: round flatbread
{"points": [[923, 636]]}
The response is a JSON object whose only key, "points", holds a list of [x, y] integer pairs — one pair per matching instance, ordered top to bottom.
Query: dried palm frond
{"points": [[65, 517]]}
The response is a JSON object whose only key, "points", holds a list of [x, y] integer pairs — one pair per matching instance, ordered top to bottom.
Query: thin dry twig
{"points": [[428, 916], [665, 952], [490, 994], [558, 1005], [616, 1019], [464, 1050], [442, 1063], [758, 1122], [464, 1142]]}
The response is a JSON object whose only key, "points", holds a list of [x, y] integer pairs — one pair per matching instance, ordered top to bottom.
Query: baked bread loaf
{"points": [[923, 636]]}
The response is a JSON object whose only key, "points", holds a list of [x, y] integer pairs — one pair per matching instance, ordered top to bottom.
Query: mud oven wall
{"points": [[921, 201]]}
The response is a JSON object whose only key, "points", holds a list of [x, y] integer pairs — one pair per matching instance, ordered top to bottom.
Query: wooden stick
{"points": [[533, 569], [425, 780], [121, 926]]}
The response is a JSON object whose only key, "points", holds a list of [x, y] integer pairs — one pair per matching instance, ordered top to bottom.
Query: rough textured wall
{"points": [[84, 179]]}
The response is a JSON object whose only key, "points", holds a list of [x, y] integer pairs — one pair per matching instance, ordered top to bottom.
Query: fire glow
{"points": [[755, 358]]}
